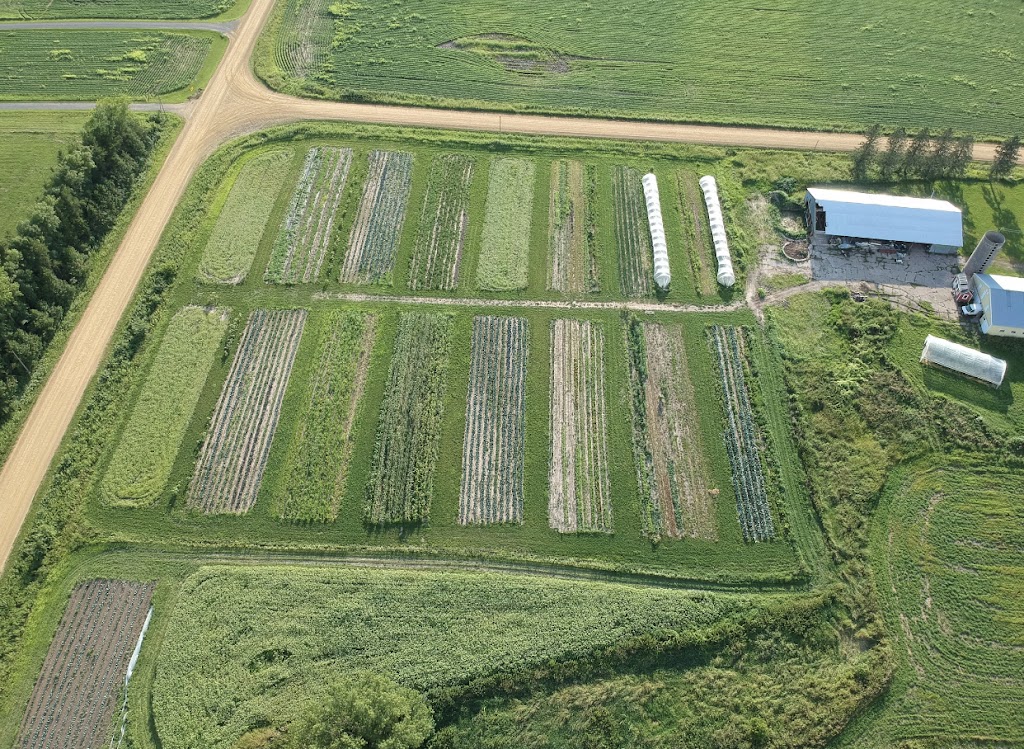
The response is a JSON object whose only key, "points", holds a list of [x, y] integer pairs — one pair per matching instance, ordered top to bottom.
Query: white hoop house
{"points": [[662, 276], [726, 276], [963, 360]]}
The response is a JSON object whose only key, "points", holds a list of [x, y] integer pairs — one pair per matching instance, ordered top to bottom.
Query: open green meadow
{"points": [[25, 10], [792, 64], [85, 65], [29, 144], [570, 511]]}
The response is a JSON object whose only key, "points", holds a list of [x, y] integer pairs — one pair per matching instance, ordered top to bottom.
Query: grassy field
{"points": [[24, 10], [737, 62], [84, 65], [29, 144]]}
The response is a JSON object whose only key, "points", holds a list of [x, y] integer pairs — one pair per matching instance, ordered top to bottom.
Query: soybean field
{"points": [[24, 10]]}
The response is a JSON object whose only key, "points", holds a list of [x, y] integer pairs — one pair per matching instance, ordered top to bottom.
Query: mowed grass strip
{"points": [[23, 10], [87, 65], [379, 218], [632, 233], [697, 233], [441, 234], [305, 235], [232, 245], [505, 247], [409, 428], [742, 439], [492, 452], [145, 454], [234, 454], [318, 459], [672, 470], [579, 498], [238, 633], [73, 702]]}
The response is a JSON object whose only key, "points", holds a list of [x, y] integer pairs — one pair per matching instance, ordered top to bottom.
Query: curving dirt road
{"points": [[235, 103]]}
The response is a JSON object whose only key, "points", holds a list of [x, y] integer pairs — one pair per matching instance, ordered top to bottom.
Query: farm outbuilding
{"points": [[855, 217], [1002, 303], [964, 360]]}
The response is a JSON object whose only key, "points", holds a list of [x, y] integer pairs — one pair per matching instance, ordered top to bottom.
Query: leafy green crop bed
{"points": [[793, 63], [87, 65]]}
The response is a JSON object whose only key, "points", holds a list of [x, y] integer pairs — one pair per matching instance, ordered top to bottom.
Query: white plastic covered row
{"points": [[662, 275], [726, 276], [964, 360]]}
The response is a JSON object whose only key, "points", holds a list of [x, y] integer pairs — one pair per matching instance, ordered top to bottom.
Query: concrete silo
{"points": [[985, 253]]}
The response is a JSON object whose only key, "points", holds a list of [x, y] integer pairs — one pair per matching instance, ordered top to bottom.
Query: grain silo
{"points": [[985, 253], [662, 276], [726, 276]]}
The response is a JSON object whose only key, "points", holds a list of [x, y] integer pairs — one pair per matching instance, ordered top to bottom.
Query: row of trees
{"points": [[924, 156], [43, 266]]}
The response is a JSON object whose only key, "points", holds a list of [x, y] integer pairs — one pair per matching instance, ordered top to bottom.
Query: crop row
{"points": [[19, 10], [303, 44], [88, 64], [378, 223], [632, 233], [305, 235], [441, 235], [232, 245], [505, 248], [571, 267], [409, 427], [742, 440], [492, 453], [145, 454], [234, 454], [318, 459], [672, 474], [579, 497], [73, 700]]}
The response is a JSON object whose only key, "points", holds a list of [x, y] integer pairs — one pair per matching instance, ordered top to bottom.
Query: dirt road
{"points": [[235, 103]]}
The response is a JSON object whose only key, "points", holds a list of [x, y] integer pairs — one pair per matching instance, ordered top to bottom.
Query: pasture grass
{"points": [[736, 62], [85, 65], [29, 144], [505, 246]]}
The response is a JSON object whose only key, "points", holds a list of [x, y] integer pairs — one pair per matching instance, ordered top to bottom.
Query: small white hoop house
{"points": [[662, 276], [726, 276], [963, 360]]}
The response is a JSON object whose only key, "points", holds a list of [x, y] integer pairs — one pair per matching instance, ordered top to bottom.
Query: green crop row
{"points": [[88, 65], [243, 219], [441, 235], [505, 250], [409, 430], [151, 438]]}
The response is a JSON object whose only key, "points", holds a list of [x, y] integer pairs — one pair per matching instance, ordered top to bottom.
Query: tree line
{"points": [[924, 156], [44, 264]]}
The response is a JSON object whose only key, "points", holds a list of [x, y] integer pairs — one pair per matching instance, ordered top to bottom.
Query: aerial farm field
{"points": [[27, 10], [792, 64], [29, 144], [569, 510]]}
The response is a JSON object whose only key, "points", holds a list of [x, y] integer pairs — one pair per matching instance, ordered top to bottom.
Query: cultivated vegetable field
{"points": [[148, 9], [88, 65], [378, 223], [632, 233], [441, 235], [305, 236], [232, 245], [505, 248], [571, 265], [742, 438], [492, 453], [234, 454], [143, 459], [318, 460], [672, 473], [401, 479], [579, 491], [73, 702]]}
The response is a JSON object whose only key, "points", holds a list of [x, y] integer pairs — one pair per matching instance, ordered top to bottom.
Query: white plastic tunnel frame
{"points": [[662, 275], [726, 276], [963, 360]]}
